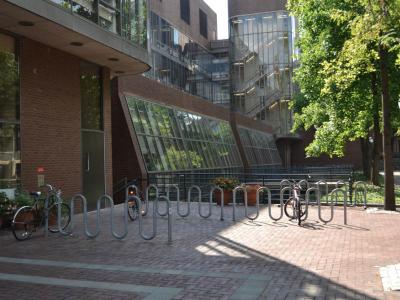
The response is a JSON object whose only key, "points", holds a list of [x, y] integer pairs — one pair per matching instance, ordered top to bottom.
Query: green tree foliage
{"points": [[338, 54]]}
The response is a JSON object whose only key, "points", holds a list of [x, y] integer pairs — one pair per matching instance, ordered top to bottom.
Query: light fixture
{"points": [[26, 23], [76, 44], [113, 59]]}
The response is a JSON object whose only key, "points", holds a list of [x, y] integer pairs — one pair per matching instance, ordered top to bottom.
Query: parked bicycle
{"points": [[295, 207], [133, 211], [28, 219]]}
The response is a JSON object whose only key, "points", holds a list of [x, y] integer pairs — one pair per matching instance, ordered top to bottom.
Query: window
{"points": [[185, 11], [203, 23], [91, 95], [175, 140], [10, 148]]}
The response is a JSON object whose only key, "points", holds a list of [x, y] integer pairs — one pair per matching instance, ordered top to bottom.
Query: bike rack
{"points": [[323, 182], [287, 183], [340, 184], [196, 187], [287, 188], [360, 188], [213, 189], [336, 193], [234, 194], [307, 199], [178, 201], [319, 209], [85, 217]]}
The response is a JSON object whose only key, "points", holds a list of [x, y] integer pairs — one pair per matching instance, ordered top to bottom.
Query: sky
{"points": [[221, 8]]}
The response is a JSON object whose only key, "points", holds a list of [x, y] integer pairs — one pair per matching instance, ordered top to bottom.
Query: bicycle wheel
{"points": [[289, 208], [133, 211], [53, 217], [23, 223]]}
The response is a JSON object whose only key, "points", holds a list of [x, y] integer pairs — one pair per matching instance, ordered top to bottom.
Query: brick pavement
{"points": [[209, 259]]}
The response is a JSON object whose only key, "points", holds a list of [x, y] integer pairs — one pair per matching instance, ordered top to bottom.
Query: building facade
{"points": [[57, 59], [263, 60], [177, 117]]}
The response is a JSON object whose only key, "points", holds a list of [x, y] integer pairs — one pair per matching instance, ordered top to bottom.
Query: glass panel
{"points": [[86, 8], [91, 97], [171, 139], [260, 147], [10, 148]]}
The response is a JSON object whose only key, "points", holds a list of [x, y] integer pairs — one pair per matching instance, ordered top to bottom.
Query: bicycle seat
{"points": [[35, 194]]}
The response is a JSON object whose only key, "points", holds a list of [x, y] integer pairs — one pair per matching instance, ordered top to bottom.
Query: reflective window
{"points": [[185, 11], [127, 18], [262, 50], [180, 62], [91, 97], [172, 139], [260, 147], [10, 148]]}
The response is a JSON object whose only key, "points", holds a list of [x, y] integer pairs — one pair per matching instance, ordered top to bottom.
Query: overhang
{"points": [[58, 28]]}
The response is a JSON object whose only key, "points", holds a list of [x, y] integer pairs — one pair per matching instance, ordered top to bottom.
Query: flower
{"points": [[225, 183]]}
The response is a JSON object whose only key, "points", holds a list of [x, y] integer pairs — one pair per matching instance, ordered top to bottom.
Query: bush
{"points": [[225, 183], [23, 198], [5, 204]]}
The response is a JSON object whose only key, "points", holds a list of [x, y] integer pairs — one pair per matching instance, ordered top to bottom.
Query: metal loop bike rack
{"points": [[303, 181], [323, 182], [286, 183], [340, 184], [196, 187], [287, 188], [360, 188], [213, 189], [335, 193], [234, 195], [147, 196], [307, 199], [178, 201], [246, 206], [319, 210], [85, 217]]}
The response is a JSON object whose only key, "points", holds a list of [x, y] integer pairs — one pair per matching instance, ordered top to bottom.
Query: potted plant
{"points": [[227, 185], [251, 189], [5, 210]]}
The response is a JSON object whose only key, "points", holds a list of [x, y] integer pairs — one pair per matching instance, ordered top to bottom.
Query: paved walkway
{"points": [[209, 259]]}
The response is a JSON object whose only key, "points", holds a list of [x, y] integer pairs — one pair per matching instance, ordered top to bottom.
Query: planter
{"points": [[252, 193], [227, 197]]}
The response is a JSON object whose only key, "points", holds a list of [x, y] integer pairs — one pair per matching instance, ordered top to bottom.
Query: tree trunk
{"points": [[365, 156], [374, 175], [390, 202]]}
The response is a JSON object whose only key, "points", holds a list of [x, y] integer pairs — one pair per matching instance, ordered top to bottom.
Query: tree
{"points": [[341, 75]]}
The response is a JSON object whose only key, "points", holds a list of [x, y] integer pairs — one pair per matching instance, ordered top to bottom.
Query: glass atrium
{"points": [[262, 47], [171, 139]]}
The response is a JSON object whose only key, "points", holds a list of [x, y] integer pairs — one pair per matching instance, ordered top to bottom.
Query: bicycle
{"points": [[293, 207], [133, 211], [28, 218]]}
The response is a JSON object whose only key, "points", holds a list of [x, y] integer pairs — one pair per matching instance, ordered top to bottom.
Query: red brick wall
{"points": [[51, 118], [353, 155]]}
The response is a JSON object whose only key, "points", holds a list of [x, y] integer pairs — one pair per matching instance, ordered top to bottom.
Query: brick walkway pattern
{"points": [[208, 259]]}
